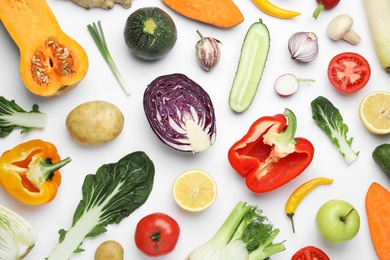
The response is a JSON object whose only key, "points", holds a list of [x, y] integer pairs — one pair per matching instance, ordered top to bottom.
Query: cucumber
{"points": [[378, 17], [254, 54], [381, 156]]}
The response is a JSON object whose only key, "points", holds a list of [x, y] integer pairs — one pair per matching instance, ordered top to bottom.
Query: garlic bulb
{"points": [[303, 46], [208, 51]]}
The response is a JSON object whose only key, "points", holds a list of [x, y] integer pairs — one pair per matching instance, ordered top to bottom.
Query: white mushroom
{"points": [[341, 28]]}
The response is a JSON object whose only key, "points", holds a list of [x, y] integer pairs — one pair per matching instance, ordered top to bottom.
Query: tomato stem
{"points": [[156, 237]]}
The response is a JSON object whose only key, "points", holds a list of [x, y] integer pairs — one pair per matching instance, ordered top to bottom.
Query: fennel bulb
{"points": [[245, 234], [17, 235]]}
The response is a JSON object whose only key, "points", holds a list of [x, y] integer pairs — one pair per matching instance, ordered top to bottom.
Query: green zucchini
{"points": [[254, 54]]}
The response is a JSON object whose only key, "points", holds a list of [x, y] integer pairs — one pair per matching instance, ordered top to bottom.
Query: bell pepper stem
{"points": [[289, 133], [284, 142], [48, 167]]}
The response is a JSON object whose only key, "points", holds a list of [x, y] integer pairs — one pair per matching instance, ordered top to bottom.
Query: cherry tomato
{"points": [[348, 72], [156, 234], [310, 253]]}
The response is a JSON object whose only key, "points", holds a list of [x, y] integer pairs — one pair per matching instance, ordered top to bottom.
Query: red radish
{"points": [[324, 4], [287, 84]]}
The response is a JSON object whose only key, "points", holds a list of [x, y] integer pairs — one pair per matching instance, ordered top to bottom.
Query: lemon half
{"points": [[374, 112], [194, 190]]}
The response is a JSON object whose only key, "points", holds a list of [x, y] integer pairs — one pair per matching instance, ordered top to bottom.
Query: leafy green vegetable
{"points": [[98, 36], [13, 116], [329, 119], [113, 193], [245, 234]]}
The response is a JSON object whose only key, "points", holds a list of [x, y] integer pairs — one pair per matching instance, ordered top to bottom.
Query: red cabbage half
{"points": [[180, 112]]}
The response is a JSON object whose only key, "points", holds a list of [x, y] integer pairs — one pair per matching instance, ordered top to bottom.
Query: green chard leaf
{"points": [[329, 119], [110, 195]]}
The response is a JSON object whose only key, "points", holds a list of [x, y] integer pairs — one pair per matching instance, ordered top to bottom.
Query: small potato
{"points": [[95, 122], [109, 250]]}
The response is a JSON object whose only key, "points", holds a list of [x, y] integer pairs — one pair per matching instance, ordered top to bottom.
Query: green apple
{"points": [[337, 221]]}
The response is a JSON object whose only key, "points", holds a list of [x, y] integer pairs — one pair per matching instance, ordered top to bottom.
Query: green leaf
{"points": [[12, 116], [329, 119], [113, 193]]}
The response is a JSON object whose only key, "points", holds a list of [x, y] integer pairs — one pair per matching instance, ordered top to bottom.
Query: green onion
{"points": [[98, 37]]}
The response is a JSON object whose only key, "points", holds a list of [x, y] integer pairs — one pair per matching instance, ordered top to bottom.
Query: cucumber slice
{"points": [[254, 54]]}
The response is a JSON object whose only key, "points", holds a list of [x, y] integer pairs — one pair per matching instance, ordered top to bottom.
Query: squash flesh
{"points": [[51, 62]]}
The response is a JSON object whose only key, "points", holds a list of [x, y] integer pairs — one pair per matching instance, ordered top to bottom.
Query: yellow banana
{"points": [[273, 10]]}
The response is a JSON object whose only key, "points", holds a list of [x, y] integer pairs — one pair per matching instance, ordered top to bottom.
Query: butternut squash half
{"points": [[51, 62]]}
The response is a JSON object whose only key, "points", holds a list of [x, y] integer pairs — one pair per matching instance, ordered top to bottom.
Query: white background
{"points": [[350, 181]]}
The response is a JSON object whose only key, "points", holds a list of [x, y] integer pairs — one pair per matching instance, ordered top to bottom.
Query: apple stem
{"points": [[343, 218]]}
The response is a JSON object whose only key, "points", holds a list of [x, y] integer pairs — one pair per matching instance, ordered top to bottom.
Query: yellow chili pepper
{"points": [[273, 10], [297, 196]]}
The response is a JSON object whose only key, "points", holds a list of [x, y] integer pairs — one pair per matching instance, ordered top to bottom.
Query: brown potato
{"points": [[95, 122], [109, 250]]}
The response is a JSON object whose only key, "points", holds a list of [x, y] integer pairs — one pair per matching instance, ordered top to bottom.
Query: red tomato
{"points": [[328, 4], [348, 72], [156, 234], [310, 253]]}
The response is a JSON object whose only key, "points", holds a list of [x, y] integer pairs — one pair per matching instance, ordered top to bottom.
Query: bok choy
{"points": [[12, 116], [331, 122], [110, 195], [245, 234], [17, 235]]}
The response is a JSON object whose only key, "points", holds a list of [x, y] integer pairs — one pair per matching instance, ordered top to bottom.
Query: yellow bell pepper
{"points": [[273, 10], [30, 173]]}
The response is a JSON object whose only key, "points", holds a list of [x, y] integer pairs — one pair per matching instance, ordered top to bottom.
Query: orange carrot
{"points": [[220, 13], [378, 216]]}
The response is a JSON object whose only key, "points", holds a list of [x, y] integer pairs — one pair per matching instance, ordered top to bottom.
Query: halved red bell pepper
{"points": [[269, 155]]}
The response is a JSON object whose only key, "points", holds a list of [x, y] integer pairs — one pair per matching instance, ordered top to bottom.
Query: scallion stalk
{"points": [[98, 36]]}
